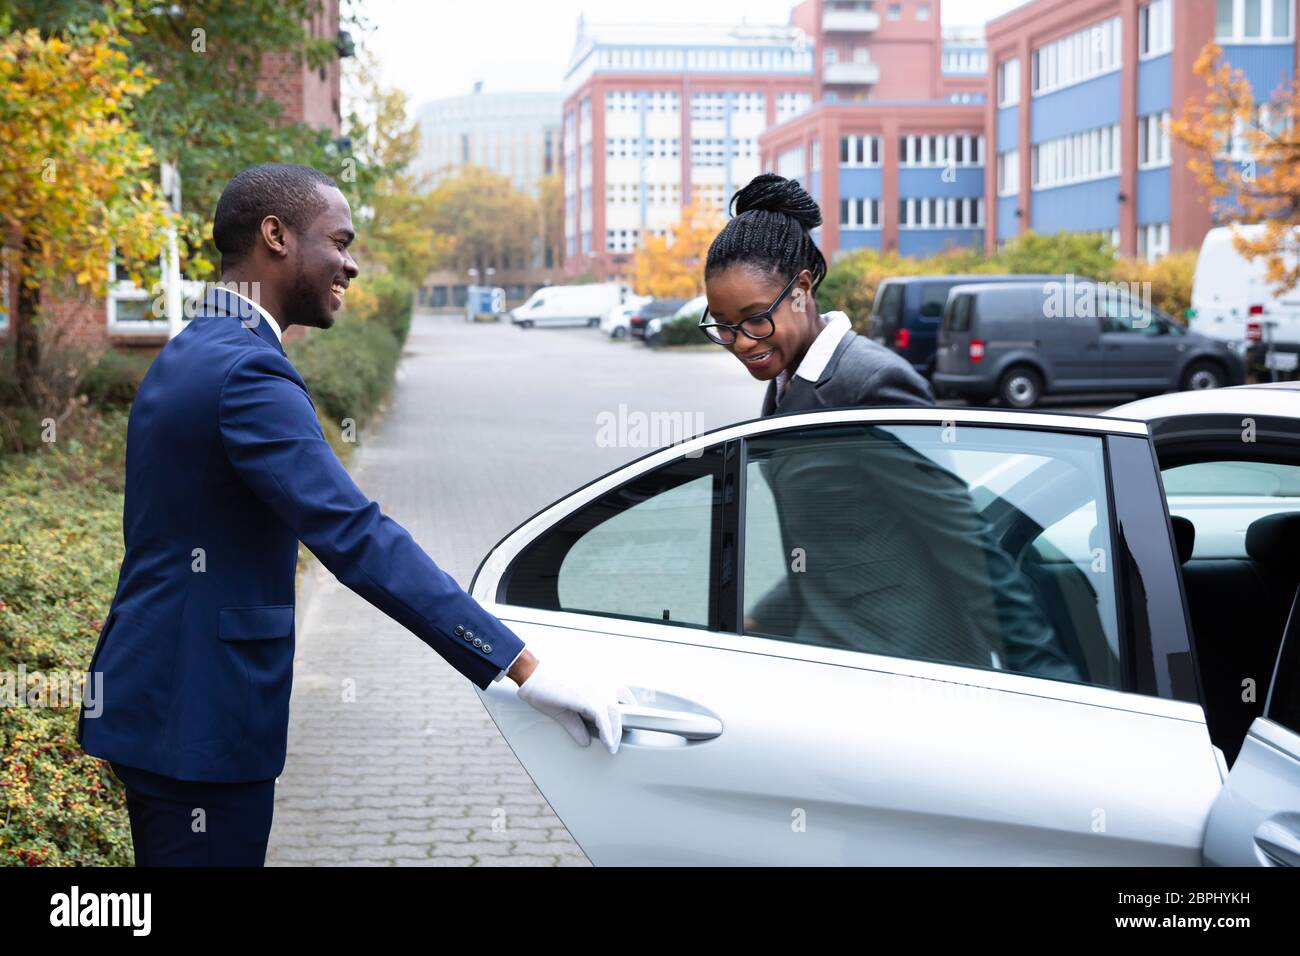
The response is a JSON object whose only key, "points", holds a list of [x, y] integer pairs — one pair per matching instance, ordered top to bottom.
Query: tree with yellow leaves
{"points": [[1246, 155], [76, 179], [672, 266]]}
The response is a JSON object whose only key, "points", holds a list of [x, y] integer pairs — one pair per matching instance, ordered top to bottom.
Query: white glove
{"points": [[553, 696]]}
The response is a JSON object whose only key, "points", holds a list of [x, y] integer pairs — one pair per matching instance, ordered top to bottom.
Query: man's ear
{"points": [[275, 235]]}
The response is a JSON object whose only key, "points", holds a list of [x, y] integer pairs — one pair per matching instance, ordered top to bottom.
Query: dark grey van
{"points": [[906, 311], [1018, 342]]}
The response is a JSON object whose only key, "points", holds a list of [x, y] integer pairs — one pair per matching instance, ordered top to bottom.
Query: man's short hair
{"points": [[286, 190]]}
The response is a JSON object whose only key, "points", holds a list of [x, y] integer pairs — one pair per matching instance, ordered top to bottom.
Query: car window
{"points": [[934, 295], [889, 303], [1122, 314], [958, 317], [1222, 498], [979, 546], [643, 551], [1283, 704]]}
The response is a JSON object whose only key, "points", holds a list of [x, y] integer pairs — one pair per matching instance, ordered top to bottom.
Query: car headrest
{"points": [[1184, 537], [1274, 539]]}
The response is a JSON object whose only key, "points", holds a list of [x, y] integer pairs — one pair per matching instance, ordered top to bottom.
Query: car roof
{"points": [[972, 277], [1266, 398]]}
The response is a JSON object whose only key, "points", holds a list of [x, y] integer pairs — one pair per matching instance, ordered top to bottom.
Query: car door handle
{"points": [[678, 722], [1279, 842]]}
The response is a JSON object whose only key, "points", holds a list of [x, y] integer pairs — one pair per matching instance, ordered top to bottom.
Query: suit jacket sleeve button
{"points": [[460, 629], [469, 635], [478, 642], [487, 648]]}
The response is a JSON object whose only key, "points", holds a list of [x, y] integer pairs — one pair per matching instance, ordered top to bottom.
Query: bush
{"points": [[1170, 278], [850, 284], [383, 297], [681, 331], [348, 369], [113, 381], [60, 549]]}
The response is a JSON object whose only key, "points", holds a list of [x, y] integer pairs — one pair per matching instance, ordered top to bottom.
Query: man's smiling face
{"points": [[323, 267]]}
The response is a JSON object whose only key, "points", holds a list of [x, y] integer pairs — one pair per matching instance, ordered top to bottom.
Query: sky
{"points": [[435, 48]]}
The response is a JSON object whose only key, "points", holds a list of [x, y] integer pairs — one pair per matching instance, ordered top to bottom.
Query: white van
{"points": [[1232, 300], [570, 304]]}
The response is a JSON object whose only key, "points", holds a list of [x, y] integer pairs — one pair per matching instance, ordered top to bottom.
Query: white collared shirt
{"points": [[275, 326], [819, 353]]}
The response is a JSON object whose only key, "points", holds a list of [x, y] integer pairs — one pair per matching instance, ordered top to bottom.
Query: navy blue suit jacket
{"points": [[226, 471]]}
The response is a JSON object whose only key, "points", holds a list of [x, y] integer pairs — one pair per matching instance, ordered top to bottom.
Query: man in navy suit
{"points": [[226, 471]]}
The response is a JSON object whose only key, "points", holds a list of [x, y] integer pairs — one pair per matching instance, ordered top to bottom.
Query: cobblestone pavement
{"points": [[392, 758]]}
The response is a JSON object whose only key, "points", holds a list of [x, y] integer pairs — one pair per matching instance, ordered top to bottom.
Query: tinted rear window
{"points": [[933, 297], [957, 319]]}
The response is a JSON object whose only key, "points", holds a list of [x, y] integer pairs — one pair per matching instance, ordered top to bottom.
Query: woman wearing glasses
{"points": [[761, 276], [899, 559]]}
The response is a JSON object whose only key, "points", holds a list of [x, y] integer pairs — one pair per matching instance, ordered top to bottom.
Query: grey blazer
{"points": [[860, 372], [901, 564]]}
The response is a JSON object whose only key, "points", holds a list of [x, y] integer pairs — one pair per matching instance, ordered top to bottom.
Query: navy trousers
{"points": [[189, 823]]}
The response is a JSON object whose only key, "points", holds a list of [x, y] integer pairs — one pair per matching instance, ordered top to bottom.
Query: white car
{"points": [[614, 323], [899, 637]]}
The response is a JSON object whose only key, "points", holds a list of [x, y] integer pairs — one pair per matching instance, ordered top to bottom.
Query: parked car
{"points": [[1232, 300], [569, 304], [658, 309], [906, 312], [615, 322], [1017, 342], [789, 746]]}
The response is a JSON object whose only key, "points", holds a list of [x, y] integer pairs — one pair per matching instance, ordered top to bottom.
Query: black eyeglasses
{"points": [[758, 326]]}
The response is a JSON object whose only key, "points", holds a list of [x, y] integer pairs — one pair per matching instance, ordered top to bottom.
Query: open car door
{"points": [[1256, 819]]}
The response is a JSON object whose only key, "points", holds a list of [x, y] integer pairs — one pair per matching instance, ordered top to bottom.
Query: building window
{"points": [[894, 11], [923, 11], [1252, 21], [1156, 28], [1079, 56], [1009, 82], [791, 104], [708, 106], [1153, 140], [941, 150], [859, 151], [708, 152], [1079, 157], [790, 163], [1009, 173], [860, 213], [941, 213], [620, 240], [1153, 241], [130, 308]]}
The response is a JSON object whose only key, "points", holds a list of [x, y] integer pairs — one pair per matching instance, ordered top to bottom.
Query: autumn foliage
{"points": [[1246, 157]]}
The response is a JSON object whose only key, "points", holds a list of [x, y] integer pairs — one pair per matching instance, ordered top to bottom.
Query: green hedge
{"points": [[348, 369], [60, 549]]}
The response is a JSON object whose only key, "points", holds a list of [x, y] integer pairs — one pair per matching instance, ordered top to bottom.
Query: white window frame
{"points": [[1155, 20], [1265, 25], [1077, 57], [1079, 157], [124, 290]]}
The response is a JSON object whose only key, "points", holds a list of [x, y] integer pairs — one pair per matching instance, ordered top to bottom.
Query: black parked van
{"points": [[906, 312], [1018, 342]]}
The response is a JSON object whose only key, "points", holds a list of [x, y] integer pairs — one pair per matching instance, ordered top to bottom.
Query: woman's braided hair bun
{"points": [[773, 193]]}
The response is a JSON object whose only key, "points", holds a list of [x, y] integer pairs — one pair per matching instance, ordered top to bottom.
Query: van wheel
{"points": [[593, 323], [526, 324], [618, 333], [1202, 375], [1021, 387]]}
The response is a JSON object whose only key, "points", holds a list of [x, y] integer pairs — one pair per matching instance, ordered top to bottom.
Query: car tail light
{"points": [[1254, 331], [902, 339], [976, 349]]}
